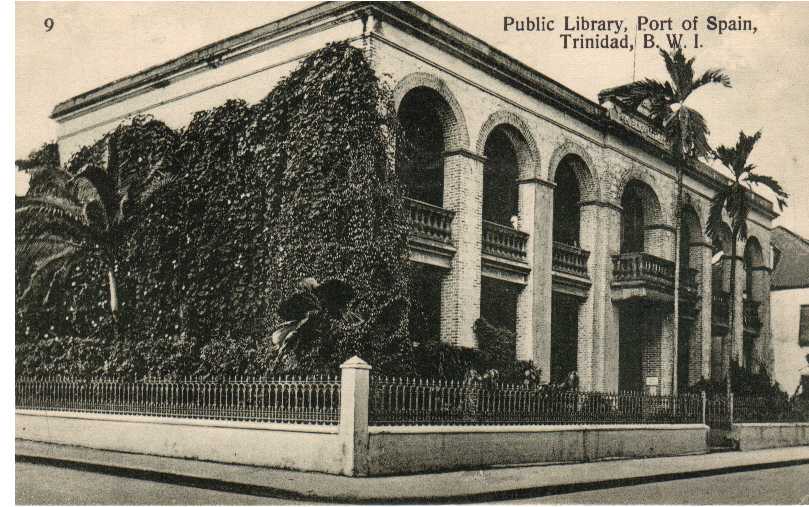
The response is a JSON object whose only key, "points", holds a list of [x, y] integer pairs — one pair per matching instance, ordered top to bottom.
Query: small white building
{"points": [[789, 299]]}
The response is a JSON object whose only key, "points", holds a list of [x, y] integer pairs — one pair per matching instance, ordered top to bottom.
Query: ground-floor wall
{"points": [[751, 436], [289, 446], [402, 449], [380, 451]]}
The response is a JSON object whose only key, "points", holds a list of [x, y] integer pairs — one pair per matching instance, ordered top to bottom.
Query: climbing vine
{"points": [[257, 198]]}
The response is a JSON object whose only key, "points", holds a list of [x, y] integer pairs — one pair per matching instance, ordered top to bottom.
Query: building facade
{"points": [[530, 205], [790, 308]]}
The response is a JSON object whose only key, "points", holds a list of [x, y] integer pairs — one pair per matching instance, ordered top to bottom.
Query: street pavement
{"points": [[637, 479], [49, 485], [775, 486]]}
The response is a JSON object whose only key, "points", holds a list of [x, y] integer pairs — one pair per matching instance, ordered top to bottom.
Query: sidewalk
{"points": [[490, 484]]}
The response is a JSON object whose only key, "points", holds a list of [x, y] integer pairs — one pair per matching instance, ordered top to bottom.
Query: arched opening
{"points": [[424, 117], [427, 123], [500, 176], [568, 177], [566, 202], [633, 218], [721, 251], [752, 261], [640, 325]]}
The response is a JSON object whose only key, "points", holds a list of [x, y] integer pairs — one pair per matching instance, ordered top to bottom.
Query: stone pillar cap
{"points": [[355, 363]]}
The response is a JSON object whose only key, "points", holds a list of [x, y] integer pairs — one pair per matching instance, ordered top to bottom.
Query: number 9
{"points": [[48, 24]]}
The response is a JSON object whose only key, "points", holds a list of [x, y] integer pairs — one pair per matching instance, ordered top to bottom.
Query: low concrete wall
{"points": [[750, 436], [290, 446], [404, 449], [383, 450]]}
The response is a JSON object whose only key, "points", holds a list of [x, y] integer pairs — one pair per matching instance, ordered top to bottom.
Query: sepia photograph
{"points": [[452, 252]]}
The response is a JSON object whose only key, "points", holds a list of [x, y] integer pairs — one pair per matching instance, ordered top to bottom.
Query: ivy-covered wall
{"points": [[258, 197]]}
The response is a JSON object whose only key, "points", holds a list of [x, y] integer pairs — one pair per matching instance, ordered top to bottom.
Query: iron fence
{"points": [[290, 400], [403, 401], [718, 411]]}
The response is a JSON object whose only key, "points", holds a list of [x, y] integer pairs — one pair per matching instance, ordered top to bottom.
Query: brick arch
{"points": [[456, 133], [521, 139], [583, 167], [617, 184], [692, 203], [691, 217], [753, 248]]}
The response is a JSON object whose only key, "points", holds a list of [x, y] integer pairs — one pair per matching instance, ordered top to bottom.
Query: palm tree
{"points": [[685, 128], [734, 199], [84, 215]]}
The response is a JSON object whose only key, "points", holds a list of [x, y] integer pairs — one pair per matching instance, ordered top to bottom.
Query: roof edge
{"points": [[205, 54], [794, 235]]}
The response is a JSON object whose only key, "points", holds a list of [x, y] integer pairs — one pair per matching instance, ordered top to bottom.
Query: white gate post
{"points": [[354, 416]]}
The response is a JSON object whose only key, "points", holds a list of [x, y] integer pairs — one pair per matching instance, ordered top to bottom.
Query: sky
{"points": [[93, 43]]}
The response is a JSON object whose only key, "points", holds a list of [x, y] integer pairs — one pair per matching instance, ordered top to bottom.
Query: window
{"points": [[803, 330]]}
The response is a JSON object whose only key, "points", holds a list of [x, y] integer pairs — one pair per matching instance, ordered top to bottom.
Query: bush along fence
{"points": [[364, 424]]}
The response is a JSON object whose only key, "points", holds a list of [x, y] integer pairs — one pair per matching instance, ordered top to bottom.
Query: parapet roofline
{"points": [[401, 11], [406, 15]]}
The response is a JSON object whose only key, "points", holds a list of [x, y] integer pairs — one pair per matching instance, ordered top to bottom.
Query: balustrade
{"points": [[429, 221], [502, 241], [570, 259], [641, 266]]}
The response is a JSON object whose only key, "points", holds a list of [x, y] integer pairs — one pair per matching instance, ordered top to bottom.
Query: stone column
{"points": [[460, 288], [534, 301], [598, 317], [668, 343], [700, 346], [353, 427]]}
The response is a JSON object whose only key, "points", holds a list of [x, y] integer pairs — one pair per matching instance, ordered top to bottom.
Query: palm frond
{"points": [[680, 71], [711, 76], [689, 134], [735, 158], [98, 182], [772, 184], [49, 205], [738, 209], [715, 222], [49, 268]]}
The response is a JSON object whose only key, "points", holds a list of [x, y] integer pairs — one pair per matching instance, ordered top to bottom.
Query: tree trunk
{"points": [[113, 294], [732, 317], [675, 341]]}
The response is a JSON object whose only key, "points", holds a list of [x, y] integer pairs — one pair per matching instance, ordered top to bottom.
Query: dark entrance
{"points": [[425, 303], [498, 303], [639, 332], [564, 336], [684, 350]]}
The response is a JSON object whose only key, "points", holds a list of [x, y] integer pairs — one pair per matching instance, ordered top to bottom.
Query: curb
{"points": [[287, 494]]}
